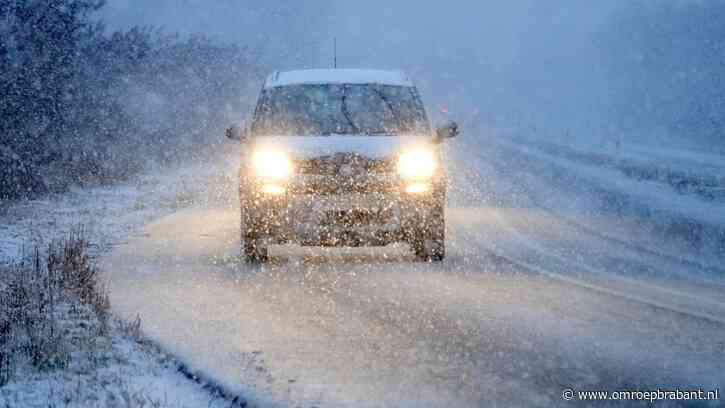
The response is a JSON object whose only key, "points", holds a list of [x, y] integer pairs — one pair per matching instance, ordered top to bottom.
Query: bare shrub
{"points": [[79, 274], [30, 298], [34, 298], [131, 328]]}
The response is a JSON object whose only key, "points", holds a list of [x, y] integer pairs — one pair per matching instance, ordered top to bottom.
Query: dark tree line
{"points": [[667, 69], [80, 105]]}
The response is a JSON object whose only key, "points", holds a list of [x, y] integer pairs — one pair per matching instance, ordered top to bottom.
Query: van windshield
{"points": [[328, 109]]}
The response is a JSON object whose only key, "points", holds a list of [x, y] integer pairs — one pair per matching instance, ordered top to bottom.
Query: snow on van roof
{"points": [[337, 76]]}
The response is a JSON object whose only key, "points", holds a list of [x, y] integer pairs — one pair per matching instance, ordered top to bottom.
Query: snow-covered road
{"points": [[525, 306]]}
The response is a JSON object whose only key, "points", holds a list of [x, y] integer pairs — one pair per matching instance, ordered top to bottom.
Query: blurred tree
{"points": [[78, 105]]}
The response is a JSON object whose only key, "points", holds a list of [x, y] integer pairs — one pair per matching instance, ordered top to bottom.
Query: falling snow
{"points": [[570, 237]]}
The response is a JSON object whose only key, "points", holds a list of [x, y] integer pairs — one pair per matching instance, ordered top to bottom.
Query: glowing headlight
{"points": [[271, 164], [417, 164], [417, 188], [273, 189]]}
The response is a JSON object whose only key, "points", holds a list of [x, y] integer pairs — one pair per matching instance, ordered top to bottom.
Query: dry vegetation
{"points": [[52, 305], [61, 347]]}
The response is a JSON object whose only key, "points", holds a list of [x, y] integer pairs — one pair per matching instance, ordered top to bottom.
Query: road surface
{"points": [[527, 304]]}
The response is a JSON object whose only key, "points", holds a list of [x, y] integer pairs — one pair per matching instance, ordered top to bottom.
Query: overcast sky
{"points": [[522, 57]]}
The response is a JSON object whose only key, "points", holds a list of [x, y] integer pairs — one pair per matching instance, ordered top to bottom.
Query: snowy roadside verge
{"points": [[685, 172], [110, 214], [695, 222], [60, 346], [115, 367]]}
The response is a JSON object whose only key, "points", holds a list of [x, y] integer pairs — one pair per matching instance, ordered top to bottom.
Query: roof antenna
{"points": [[334, 52]]}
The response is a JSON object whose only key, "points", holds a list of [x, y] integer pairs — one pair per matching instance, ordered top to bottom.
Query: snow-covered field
{"points": [[686, 171], [633, 185]]}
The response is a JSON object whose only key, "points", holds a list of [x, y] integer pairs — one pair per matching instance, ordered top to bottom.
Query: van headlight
{"points": [[272, 164], [418, 164]]}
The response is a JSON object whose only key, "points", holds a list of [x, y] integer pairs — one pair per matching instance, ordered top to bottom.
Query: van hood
{"points": [[371, 146]]}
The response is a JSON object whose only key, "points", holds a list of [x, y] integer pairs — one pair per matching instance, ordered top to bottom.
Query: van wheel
{"points": [[429, 244], [430, 250], [255, 251]]}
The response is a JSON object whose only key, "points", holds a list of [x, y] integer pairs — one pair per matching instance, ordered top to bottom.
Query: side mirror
{"points": [[449, 130], [237, 132]]}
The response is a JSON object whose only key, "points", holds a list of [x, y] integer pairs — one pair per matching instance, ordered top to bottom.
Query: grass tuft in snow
{"points": [[37, 297], [131, 329]]}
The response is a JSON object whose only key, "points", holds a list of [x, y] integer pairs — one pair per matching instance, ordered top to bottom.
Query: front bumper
{"points": [[350, 219]]}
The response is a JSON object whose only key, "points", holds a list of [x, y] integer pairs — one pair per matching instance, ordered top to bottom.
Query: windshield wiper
{"points": [[387, 103], [346, 113]]}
